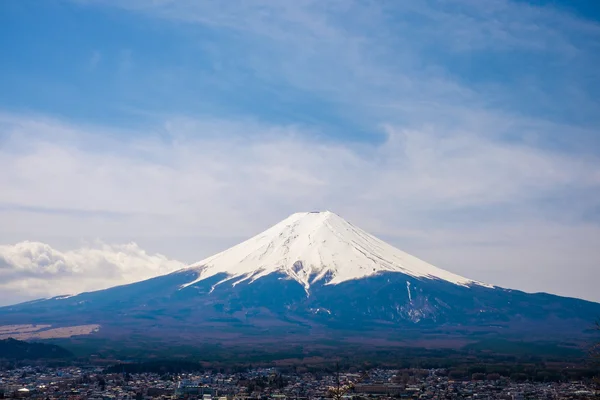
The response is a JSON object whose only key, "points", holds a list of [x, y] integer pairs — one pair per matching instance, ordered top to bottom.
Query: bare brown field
{"points": [[16, 329], [24, 332]]}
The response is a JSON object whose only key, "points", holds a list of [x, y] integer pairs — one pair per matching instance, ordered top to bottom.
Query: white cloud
{"points": [[218, 165], [32, 270]]}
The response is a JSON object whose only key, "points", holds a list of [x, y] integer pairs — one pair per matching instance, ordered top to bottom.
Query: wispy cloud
{"points": [[430, 56], [95, 59], [125, 60]]}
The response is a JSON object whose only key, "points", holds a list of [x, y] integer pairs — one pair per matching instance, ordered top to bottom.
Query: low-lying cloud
{"points": [[31, 270]]}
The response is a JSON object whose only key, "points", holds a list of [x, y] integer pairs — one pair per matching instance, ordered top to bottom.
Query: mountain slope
{"points": [[312, 275]]}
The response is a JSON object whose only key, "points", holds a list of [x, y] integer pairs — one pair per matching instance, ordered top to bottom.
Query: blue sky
{"points": [[91, 61], [462, 131]]}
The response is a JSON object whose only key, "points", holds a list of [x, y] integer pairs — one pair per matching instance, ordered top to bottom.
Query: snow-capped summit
{"points": [[314, 246]]}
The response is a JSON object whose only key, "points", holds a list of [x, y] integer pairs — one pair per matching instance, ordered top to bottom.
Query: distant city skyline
{"points": [[138, 137]]}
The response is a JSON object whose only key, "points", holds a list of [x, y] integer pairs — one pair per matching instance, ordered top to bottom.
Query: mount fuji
{"points": [[316, 247], [311, 275]]}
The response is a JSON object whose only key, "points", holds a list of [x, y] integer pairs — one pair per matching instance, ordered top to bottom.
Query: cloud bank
{"points": [[487, 209]]}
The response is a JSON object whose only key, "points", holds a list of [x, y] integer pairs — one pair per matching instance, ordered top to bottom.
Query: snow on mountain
{"points": [[313, 246]]}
